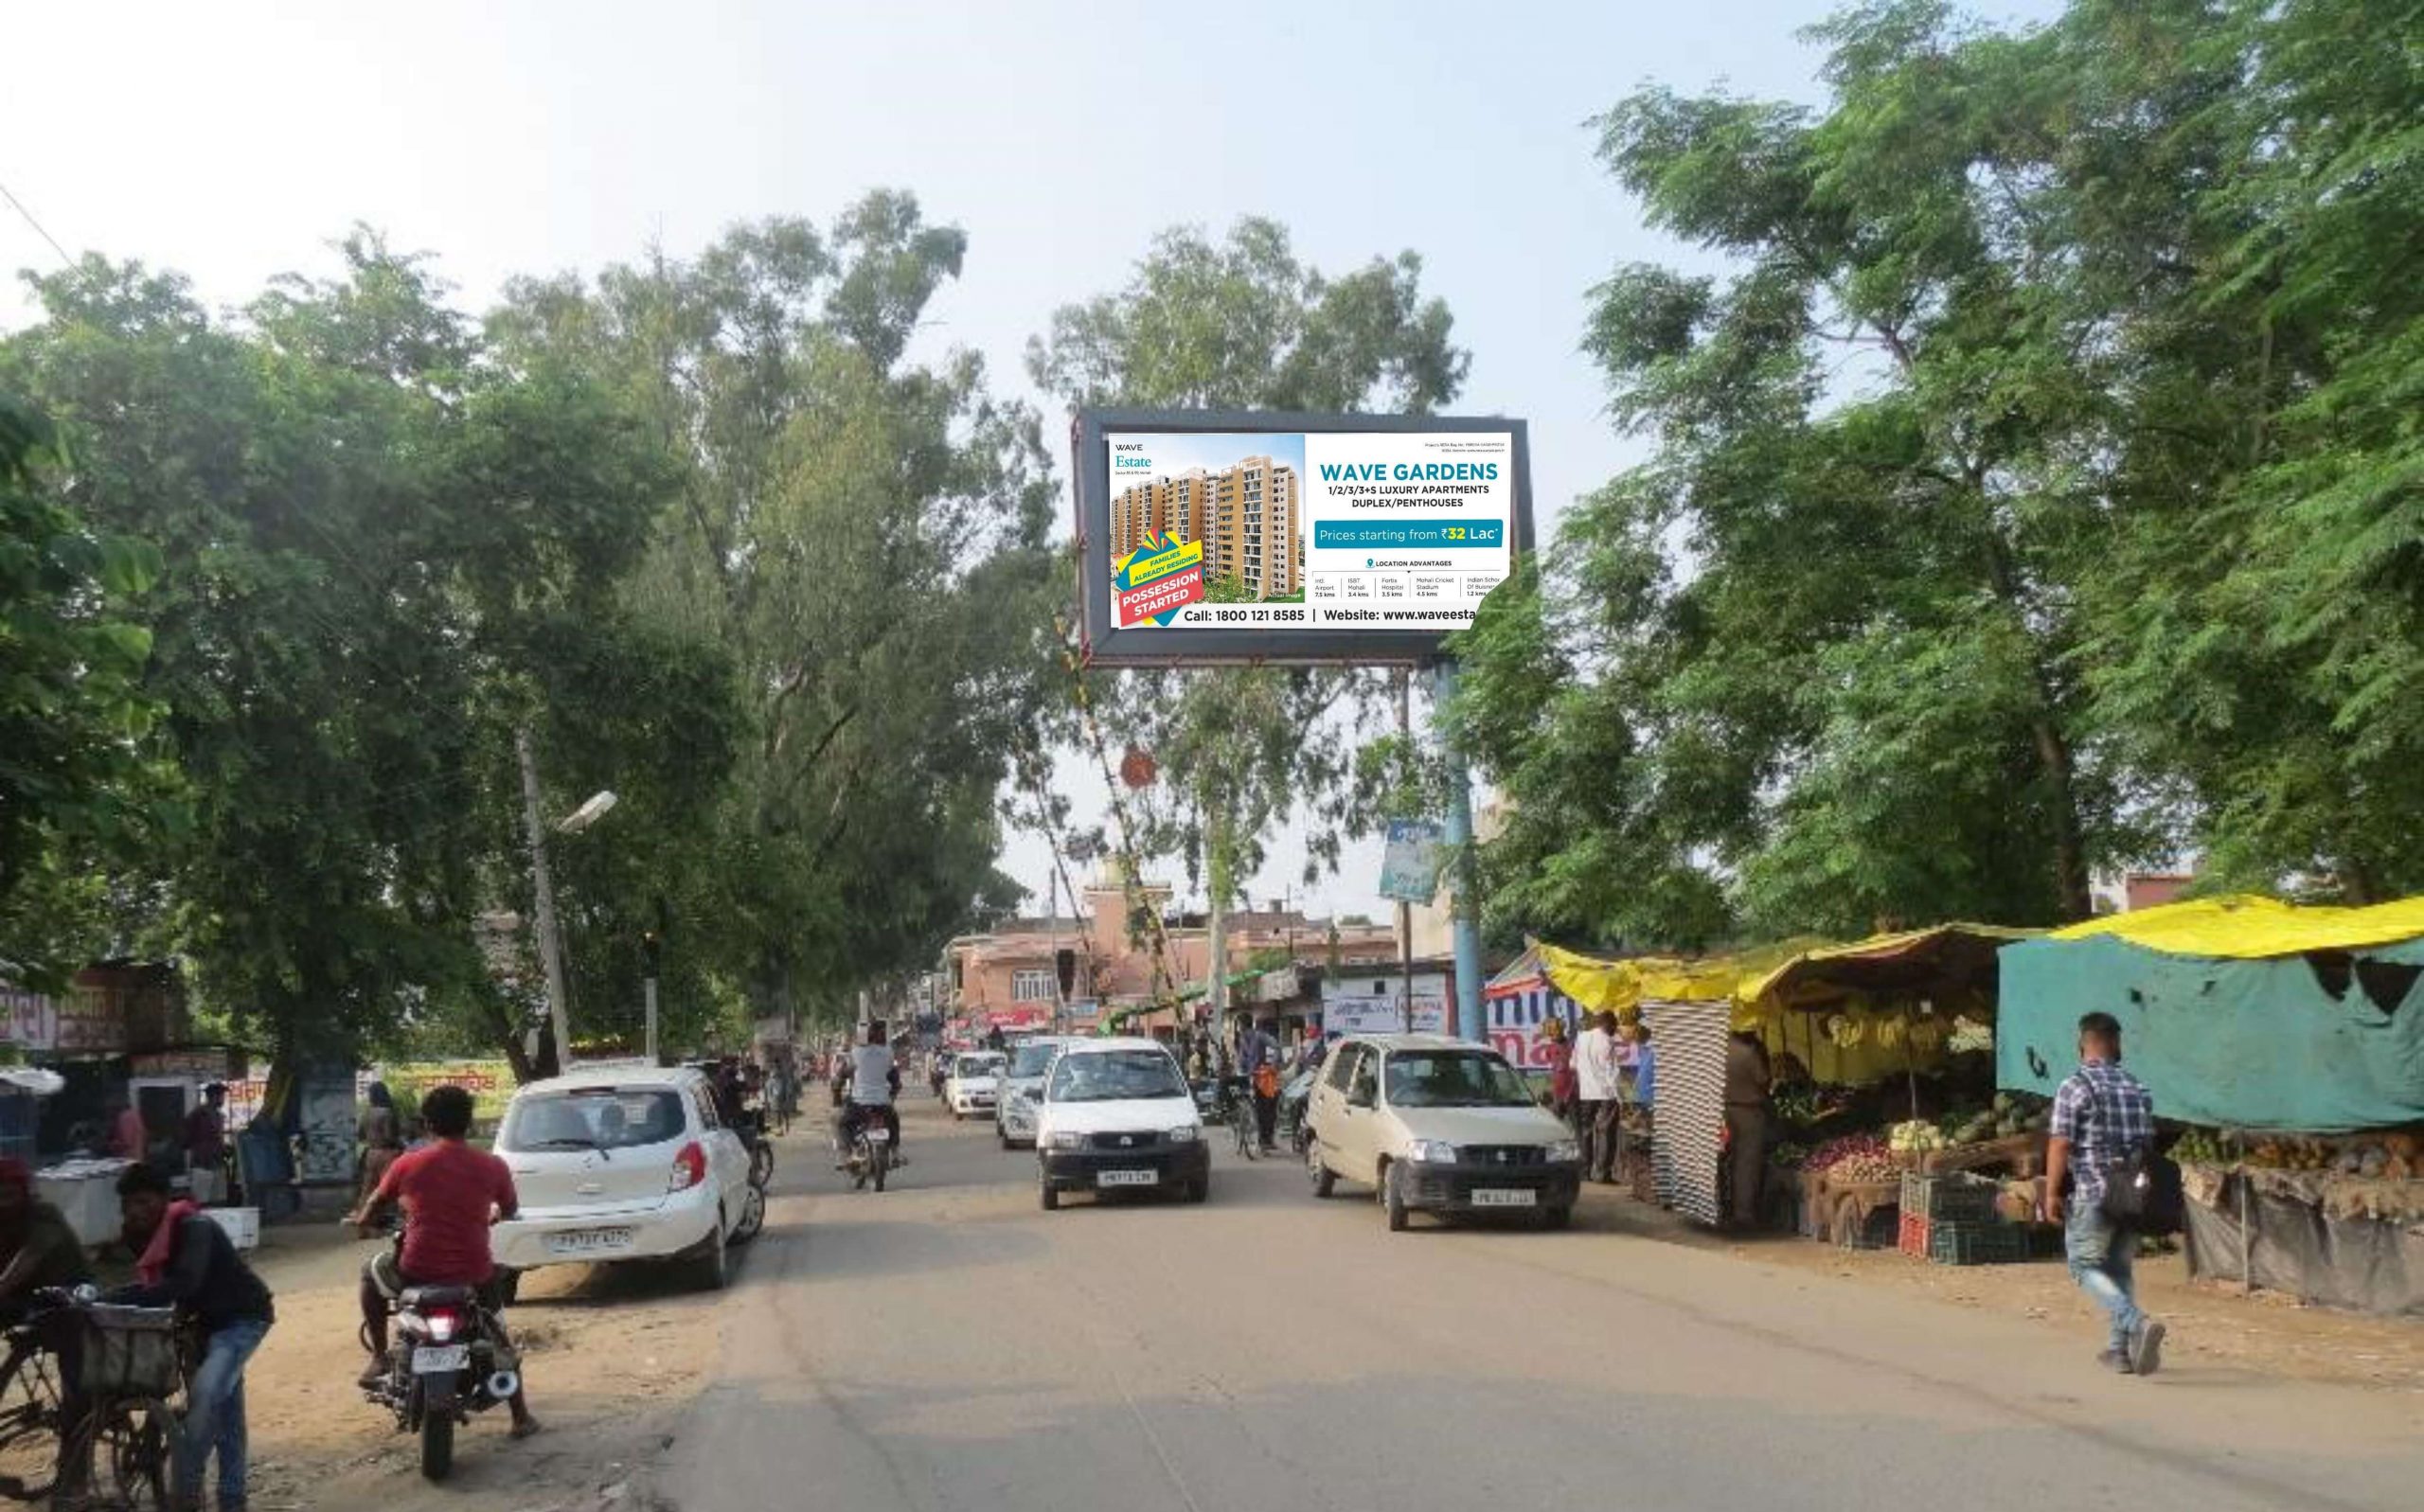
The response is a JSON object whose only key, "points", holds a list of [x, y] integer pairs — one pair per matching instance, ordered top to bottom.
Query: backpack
{"points": [[2142, 1193]]}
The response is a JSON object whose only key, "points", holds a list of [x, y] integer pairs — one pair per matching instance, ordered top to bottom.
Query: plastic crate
{"points": [[1955, 1199], [242, 1225], [1876, 1230], [1911, 1238], [1977, 1244], [130, 1351]]}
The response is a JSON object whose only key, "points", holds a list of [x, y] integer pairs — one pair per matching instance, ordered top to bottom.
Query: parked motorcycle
{"points": [[446, 1361]]}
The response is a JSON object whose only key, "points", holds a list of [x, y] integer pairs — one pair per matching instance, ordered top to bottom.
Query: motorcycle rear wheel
{"points": [[436, 1427]]}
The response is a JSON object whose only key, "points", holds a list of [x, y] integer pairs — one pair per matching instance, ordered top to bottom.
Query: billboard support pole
{"points": [[1464, 902], [1405, 910]]}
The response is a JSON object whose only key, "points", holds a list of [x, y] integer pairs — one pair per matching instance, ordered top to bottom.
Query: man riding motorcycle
{"points": [[873, 1078], [452, 1194]]}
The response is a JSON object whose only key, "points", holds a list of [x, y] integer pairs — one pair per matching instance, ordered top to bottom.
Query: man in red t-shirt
{"points": [[452, 1194]]}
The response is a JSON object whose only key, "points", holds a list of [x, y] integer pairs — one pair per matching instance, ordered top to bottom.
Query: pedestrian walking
{"points": [[1259, 1062], [1596, 1089], [2102, 1117], [205, 1138]]}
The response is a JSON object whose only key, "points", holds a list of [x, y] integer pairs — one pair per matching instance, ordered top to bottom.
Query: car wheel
{"points": [[1008, 1142], [1324, 1182], [1198, 1189], [1048, 1195], [1393, 1197], [753, 1214], [1557, 1218], [714, 1269]]}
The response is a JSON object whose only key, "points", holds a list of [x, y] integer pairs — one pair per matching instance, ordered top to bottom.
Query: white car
{"points": [[974, 1083], [1021, 1088], [1118, 1116], [1440, 1125], [624, 1163]]}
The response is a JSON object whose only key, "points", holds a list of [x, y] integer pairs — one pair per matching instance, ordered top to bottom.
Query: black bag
{"points": [[2142, 1193]]}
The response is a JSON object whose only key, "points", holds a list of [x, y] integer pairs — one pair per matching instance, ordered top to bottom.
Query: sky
{"points": [[234, 141]]}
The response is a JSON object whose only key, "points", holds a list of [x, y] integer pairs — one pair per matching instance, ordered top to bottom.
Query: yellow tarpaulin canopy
{"points": [[2250, 927], [1877, 1007]]}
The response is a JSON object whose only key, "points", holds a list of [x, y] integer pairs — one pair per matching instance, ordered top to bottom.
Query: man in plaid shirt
{"points": [[2102, 1114]]}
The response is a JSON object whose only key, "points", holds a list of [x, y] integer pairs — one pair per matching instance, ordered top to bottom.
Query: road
{"points": [[946, 1344]]}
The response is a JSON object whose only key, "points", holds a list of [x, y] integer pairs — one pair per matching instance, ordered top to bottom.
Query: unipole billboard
{"points": [[1210, 538]]}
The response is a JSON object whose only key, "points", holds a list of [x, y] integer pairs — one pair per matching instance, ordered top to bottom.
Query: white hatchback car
{"points": [[976, 1082], [1019, 1094], [1118, 1116], [1440, 1125], [624, 1163]]}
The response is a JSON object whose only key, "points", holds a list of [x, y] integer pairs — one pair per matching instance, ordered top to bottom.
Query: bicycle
{"points": [[1238, 1105], [29, 1412]]}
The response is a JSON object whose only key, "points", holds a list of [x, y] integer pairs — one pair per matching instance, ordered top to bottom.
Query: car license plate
{"points": [[879, 1136], [1126, 1177], [1504, 1197], [588, 1241], [439, 1360]]}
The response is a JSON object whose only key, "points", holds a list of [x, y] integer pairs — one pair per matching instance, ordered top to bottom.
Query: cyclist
{"points": [[188, 1263]]}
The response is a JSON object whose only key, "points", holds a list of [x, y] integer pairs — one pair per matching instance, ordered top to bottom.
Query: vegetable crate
{"points": [[1954, 1199], [1913, 1237], [1977, 1244]]}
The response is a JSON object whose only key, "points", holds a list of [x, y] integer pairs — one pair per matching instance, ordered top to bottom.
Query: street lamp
{"points": [[550, 945]]}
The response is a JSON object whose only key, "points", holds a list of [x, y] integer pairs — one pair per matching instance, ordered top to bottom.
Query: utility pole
{"points": [[1464, 902], [1405, 910], [651, 946], [550, 950]]}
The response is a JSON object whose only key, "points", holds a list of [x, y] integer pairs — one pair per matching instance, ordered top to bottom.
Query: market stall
{"points": [[2290, 1044], [1882, 1093]]}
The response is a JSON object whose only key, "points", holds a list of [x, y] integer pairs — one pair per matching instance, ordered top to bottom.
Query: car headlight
{"points": [[1186, 1134], [1066, 1139], [1565, 1149], [1431, 1153]]}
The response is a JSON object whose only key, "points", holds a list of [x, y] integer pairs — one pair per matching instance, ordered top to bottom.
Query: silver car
{"points": [[1021, 1087]]}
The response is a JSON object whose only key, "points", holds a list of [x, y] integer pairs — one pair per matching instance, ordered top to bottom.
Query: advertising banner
{"points": [[1263, 536], [1410, 865], [1384, 1015]]}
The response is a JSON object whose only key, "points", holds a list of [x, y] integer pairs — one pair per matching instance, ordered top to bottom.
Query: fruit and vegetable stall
{"points": [[2284, 1050]]}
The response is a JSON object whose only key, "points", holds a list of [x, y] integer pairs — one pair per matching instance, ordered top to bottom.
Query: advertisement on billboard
{"points": [[1212, 538]]}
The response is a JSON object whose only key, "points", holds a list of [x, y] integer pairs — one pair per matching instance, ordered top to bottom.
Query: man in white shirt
{"points": [[873, 1078], [1598, 1087]]}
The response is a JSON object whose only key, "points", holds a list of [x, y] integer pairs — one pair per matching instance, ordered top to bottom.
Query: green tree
{"points": [[866, 535]]}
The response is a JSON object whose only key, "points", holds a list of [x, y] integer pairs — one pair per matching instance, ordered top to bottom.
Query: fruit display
{"points": [[1916, 1137], [2393, 1157], [1853, 1158]]}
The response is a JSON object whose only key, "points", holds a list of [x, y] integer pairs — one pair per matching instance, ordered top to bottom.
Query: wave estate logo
{"points": [[1132, 462]]}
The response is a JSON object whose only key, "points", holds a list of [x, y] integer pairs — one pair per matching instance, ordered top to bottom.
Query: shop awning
{"points": [[2250, 927]]}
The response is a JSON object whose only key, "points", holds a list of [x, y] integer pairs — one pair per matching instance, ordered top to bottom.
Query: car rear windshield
{"points": [[1031, 1060], [977, 1066], [1117, 1076], [1454, 1078], [592, 1118]]}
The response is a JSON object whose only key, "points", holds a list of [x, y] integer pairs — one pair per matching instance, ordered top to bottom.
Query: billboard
{"points": [[1209, 537]]}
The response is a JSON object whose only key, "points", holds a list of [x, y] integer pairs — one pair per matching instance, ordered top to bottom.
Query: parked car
{"points": [[974, 1083], [1021, 1088], [1118, 1116], [1440, 1125], [620, 1163]]}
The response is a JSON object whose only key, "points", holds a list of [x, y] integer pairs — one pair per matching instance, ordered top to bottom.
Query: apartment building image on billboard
{"points": [[1249, 515]]}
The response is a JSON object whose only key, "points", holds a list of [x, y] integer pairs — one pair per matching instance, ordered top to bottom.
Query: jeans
{"points": [[1266, 1117], [1594, 1127], [2100, 1255], [215, 1413]]}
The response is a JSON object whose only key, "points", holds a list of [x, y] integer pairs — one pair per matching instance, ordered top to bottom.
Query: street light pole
{"points": [[550, 948]]}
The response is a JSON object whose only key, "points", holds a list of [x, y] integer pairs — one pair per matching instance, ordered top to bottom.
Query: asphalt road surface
{"points": [[946, 1344]]}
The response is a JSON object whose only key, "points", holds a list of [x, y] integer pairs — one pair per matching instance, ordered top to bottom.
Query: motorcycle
{"points": [[1296, 1099], [870, 1155], [447, 1359]]}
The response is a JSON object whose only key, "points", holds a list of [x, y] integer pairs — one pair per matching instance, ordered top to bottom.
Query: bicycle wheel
{"points": [[28, 1422], [126, 1449]]}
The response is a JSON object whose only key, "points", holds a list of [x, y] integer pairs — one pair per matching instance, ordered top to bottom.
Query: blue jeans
{"points": [[2100, 1255], [215, 1413]]}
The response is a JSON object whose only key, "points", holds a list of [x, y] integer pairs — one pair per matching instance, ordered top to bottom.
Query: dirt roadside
{"points": [[2264, 1333], [613, 1360]]}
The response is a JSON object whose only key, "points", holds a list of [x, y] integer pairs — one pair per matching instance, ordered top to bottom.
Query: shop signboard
{"points": [[1245, 537], [1354, 1014], [33, 1018], [1518, 1020], [489, 1082]]}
